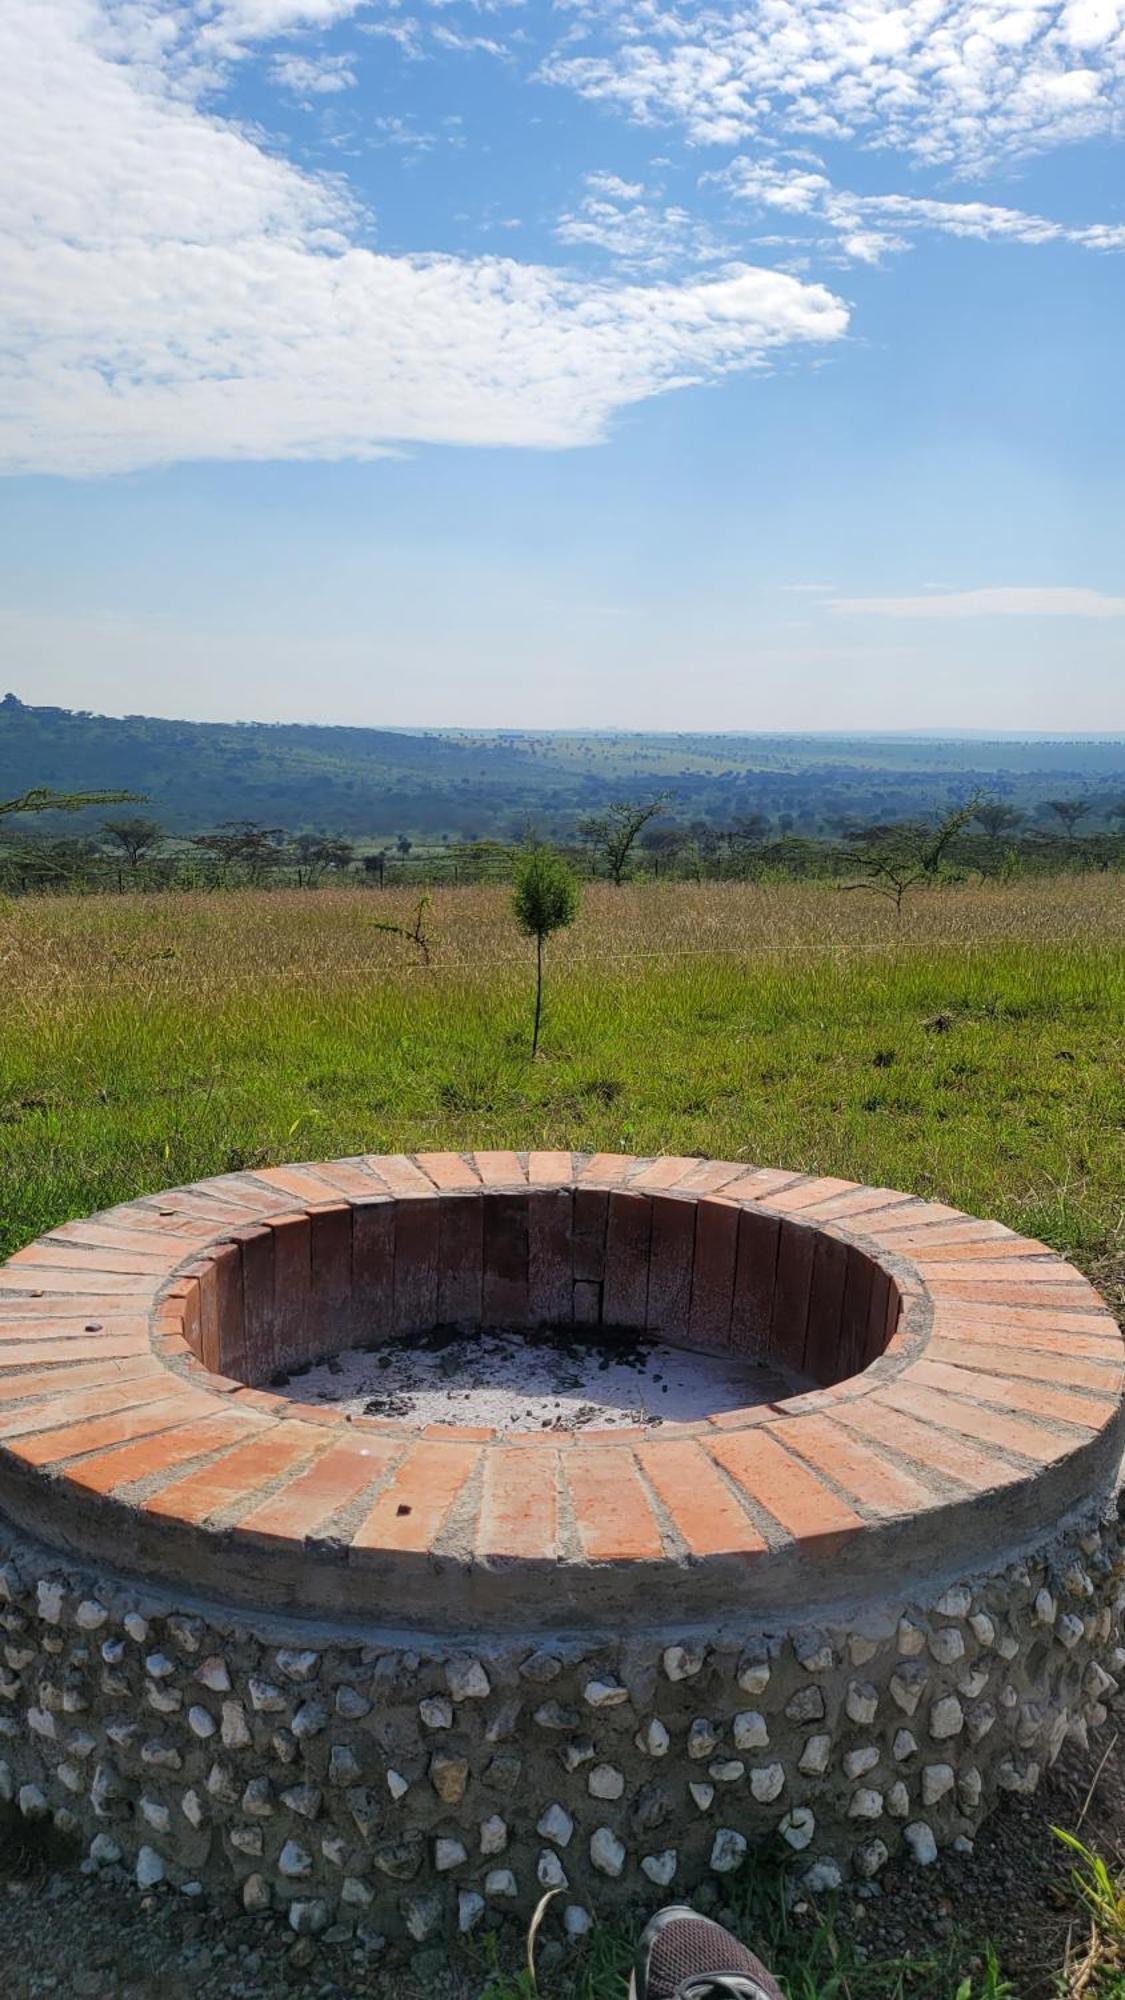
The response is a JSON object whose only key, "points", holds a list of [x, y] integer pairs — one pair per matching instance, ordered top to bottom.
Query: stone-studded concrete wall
{"points": [[406, 1790]]}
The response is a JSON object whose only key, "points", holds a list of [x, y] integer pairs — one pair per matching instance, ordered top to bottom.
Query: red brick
{"points": [[500, 1169], [550, 1169], [448, 1171], [666, 1172], [400, 1176], [708, 1176], [351, 1178], [761, 1184], [305, 1185], [790, 1201], [853, 1205], [591, 1211], [550, 1224], [908, 1226], [628, 1231], [257, 1248], [47, 1256], [671, 1256], [945, 1256], [460, 1258], [227, 1262], [331, 1264], [416, 1264], [373, 1266], [712, 1273], [92, 1284], [504, 1287], [792, 1288], [1033, 1295], [587, 1302], [881, 1311], [1090, 1320], [824, 1335], [1045, 1338], [36, 1353], [1009, 1359], [26, 1385], [69, 1406], [1087, 1411], [991, 1427], [51, 1447], [935, 1450], [166, 1452], [233, 1480], [876, 1486], [798, 1501], [303, 1507], [519, 1507], [611, 1509], [704, 1511], [408, 1514]]}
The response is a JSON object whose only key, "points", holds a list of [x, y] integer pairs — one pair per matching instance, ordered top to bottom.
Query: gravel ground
{"points": [[542, 1380], [66, 1933]]}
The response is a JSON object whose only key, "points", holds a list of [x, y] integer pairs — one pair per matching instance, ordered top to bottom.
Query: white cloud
{"points": [[312, 76], [956, 81], [621, 218], [867, 227], [173, 291], [1014, 601]]}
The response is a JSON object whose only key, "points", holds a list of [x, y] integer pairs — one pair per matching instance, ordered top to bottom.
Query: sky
{"points": [[606, 363]]}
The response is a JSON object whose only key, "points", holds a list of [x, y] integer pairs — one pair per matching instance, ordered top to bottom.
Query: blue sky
{"points": [[610, 363]]}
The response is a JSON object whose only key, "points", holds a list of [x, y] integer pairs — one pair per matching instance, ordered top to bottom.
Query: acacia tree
{"points": [[1071, 812], [997, 818], [613, 834], [137, 837], [897, 858], [544, 900]]}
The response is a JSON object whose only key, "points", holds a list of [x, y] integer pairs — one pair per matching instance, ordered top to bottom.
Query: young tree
{"points": [[613, 834], [137, 837], [544, 900]]}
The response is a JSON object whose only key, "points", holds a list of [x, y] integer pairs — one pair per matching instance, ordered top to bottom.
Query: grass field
{"points": [[974, 1052]]}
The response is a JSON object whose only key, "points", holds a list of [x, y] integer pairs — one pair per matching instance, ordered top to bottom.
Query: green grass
{"points": [[147, 1041]]}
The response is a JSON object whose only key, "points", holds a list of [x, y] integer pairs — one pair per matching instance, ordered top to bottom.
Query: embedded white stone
{"points": [[50, 1598], [956, 1603], [1046, 1610], [90, 1615], [136, 1627], [983, 1629], [1069, 1629], [911, 1638], [947, 1645], [1008, 1646], [861, 1650], [814, 1654], [682, 1663], [296, 1665], [158, 1666], [213, 1674], [753, 1676], [467, 1680], [973, 1682], [907, 1688], [604, 1694], [265, 1698], [165, 1700], [862, 1702], [350, 1704], [436, 1712], [946, 1718], [310, 1719], [41, 1722], [201, 1722], [235, 1730], [750, 1732], [652, 1738], [703, 1738], [905, 1745], [577, 1752], [815, 1756], [858, 1761], [343, 1765], [726, 1770], [70, 1776], [937, 1780], [605, 1782], [767, 1782], [397, 1785], [969, 1788], [702, 1796], [257, 1799], [304, 1799], [898, 1801], [32, 1803], [866, 1804], [191, 1805], [156, 1815], [556, 1824], [798, 1828], [493, 1835], [246, 1839], [920, 1840], [334, 1849], [728, 1850], [104, 1851], [607, 1853], [448, 1854], [870, 1858], [294, 1861], [150, 1868], [660, 1868], [550, 1872], [823, 1877], [500, 1882], [255, 1893], [356, 1895], [470, 1910], [307, 1919], [577, 1922]]}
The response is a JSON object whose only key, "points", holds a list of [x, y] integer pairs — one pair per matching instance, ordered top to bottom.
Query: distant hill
{"points": [[376, 783]]}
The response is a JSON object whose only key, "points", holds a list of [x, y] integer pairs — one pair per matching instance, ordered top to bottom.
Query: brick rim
{"points": [[116, 1440]]}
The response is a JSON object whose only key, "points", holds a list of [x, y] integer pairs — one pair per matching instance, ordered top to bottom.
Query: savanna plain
{"points": [[970, 1048]]}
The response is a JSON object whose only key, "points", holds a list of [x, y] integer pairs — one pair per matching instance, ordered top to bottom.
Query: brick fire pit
{"points": [[403, 1678]]}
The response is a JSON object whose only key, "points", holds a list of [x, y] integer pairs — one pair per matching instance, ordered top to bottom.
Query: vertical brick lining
{"points": [[695, 1267]]}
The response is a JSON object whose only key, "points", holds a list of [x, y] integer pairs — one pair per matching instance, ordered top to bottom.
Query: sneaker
{"points": [[682, 1956]]}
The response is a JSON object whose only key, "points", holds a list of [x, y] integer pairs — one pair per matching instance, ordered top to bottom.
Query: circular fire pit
{"points": [[506, 1521]]}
